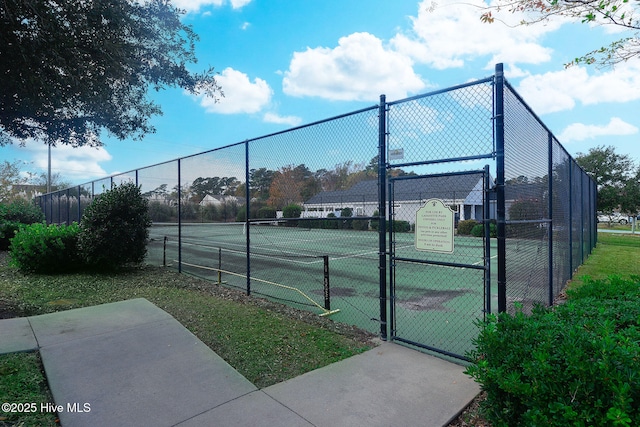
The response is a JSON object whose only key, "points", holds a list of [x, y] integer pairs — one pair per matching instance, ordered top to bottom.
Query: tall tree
{"points": [[618, 13], [71, 69], [605, 166], [10, 177], [616, 178], [260, 181], [286, 187]]}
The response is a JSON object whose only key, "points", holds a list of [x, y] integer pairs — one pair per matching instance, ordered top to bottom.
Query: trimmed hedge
{"points": [[399, 226], [465, 226], [114, 228], [478, 230], [38, 248], [575, 364]]}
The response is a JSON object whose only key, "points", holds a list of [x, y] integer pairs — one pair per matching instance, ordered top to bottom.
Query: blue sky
{"points": [[287, 63]]}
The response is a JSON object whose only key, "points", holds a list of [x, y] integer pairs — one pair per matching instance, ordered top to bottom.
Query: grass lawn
{"points": [[615, 254], [265, 341]]}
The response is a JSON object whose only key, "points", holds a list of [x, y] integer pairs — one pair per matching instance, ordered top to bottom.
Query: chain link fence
{"points": [[550, 209], [302, 216]]}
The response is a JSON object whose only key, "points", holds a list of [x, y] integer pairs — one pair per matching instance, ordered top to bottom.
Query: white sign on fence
{"points": [[434, 227]]}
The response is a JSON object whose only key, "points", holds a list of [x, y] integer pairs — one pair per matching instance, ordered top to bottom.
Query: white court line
{"points": [[295, 261]]}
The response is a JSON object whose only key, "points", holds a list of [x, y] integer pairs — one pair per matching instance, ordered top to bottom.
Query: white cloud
{"points": [[238, 4], [195, 5], [245, 25], [451, 33], [359, 68], [561, 90], [240, 94], [286, 120], [580, 131], [79, 163]]}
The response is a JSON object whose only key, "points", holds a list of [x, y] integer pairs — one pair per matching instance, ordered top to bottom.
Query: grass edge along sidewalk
{"points": [[265, 341]]}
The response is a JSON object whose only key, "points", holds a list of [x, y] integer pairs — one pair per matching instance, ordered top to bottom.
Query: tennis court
{"points": [[287, 264]]}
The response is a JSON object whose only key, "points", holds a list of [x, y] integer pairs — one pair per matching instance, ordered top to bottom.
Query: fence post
{"points": [[500, 197], [79, 203], [486, 208], [247, 214], [550, 216], [179, 220], [68, 221], [571, 226], [382, 237], [327, 290]]}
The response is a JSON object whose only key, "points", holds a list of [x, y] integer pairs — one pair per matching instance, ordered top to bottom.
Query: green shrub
{"points": [[526, 210], [22, 211], [292, 211], [161, 212], [267, 212], [15, 214], [241, 216], [310, 222], [331, 222], [360, 224], [398, 226], [401, 226], [466, 226], [114, 228], [8, 229], [477, 230], [38, 248], [575, 364]]}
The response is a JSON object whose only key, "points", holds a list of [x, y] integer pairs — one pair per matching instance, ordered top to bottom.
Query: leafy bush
{"points": [[523, 210], [22, 211], [292, 211], [161, 212], [267, 212], [346, 212], [13, 215], [331, 223], [360, 224], [398, 226], [401, 226], [466, 226], [114, 228], [8, 229], [478, 230], [38, 248], [575, 364]]}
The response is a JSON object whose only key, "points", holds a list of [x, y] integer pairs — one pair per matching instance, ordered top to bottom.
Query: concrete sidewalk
{"points": [[131, 364]]}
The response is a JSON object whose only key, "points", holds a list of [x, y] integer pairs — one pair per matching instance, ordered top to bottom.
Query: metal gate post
{"points": [[500, 197], [486, 213], [382, 243]]}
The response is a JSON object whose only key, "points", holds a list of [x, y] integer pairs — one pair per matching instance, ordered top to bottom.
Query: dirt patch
{"points": [[430, 300], [8, 311]]}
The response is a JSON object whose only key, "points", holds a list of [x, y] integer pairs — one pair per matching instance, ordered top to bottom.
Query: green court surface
{"points": [[434, 305]]}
